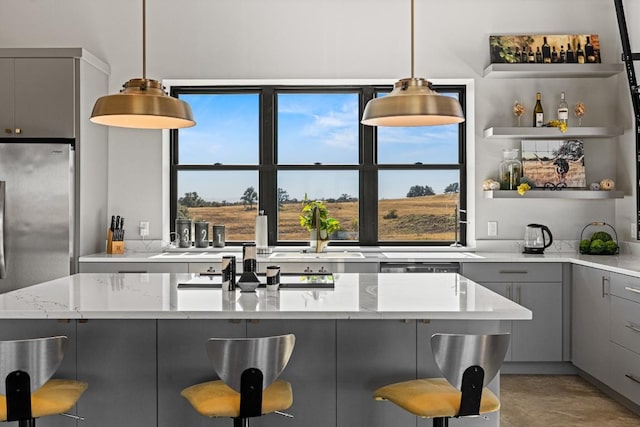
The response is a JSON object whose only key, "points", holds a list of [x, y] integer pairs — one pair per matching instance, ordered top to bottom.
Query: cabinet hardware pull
{"points": [[513, 272], [630, 289], [604, 290], [508, 291], [518, 294], [83, 320], [633, 327], [632, 378], [73, 416]]}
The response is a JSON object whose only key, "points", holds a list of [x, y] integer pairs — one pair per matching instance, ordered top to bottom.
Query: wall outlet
{"points": [[144, 228], [492, 228]]}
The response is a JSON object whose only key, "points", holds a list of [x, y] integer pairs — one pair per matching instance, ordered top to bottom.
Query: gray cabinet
{"points": [[41, 95], [134, 267], [322, 267], [539, 288], [590, 314], [24, 329], [372, 354], [118, 360], [183, 362], [311, 371]]}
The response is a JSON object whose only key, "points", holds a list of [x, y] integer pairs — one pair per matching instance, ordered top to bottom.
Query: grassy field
{"points": [[417, 218]]}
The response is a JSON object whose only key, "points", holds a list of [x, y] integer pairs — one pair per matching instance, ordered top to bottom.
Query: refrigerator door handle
{"points": [[3, 264]]}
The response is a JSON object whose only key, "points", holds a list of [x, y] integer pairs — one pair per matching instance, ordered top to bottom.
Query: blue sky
{"points": [[311, 128]]}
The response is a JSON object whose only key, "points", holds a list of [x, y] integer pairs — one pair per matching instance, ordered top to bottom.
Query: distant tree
{"points": [[452, 188], [420, 190], [249, 197], [283, 197], [192, 200], [183, 211]]}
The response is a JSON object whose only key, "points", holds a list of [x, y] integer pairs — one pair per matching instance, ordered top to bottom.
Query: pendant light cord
{"points": [[144, 39], [412, 39]]}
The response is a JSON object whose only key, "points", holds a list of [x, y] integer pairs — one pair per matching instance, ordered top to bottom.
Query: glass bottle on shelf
{"points": [[510, 169]]}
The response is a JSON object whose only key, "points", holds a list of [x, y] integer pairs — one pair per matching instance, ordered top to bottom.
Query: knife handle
{"points": [[113, 222]]}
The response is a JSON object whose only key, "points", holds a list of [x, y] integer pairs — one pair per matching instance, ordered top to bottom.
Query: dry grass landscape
{"points": [[541, 172], [416, 218]]}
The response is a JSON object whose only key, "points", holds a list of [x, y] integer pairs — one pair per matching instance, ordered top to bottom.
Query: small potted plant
{"points": [[316, 215]]}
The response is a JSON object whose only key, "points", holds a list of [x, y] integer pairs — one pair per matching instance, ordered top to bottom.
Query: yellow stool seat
{"points": [[432, 397], [53, 398], [216, 399]]}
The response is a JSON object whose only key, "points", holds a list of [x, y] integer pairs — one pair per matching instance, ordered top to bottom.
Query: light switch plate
{"points": [[144, 228], [492, 228]]}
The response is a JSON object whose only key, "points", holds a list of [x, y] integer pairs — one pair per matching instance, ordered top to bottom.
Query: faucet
{"points": [[456, 218], [322, 239]]}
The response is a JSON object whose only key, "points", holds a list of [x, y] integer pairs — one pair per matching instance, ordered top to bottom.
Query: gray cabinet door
{"points": [[6, 95], [45, 97], [506, 290], [590, 321], [25, 329], [539, 339], [371, 354], [118, 360], [183, 362], [311, 371]]}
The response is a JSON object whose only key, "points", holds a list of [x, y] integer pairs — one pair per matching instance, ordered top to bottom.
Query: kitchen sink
{"points": [[314, 255]]}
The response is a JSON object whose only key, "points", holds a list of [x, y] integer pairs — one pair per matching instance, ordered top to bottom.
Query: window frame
{"points": [[367, 166]]}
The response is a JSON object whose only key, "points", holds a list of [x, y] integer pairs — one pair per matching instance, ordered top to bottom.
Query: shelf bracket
{"points": [[628, 57]]}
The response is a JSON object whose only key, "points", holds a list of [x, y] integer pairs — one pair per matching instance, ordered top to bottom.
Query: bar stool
{"points": [[469, 363], [26, 367], [248, 369]]}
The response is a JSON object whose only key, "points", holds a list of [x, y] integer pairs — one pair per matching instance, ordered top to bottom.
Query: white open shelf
{"points": [[538, 71], [552, 132], [566, 193]]}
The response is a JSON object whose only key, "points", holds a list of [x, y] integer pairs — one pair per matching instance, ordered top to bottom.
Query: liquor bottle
{"points": [[546, 52], [589, 52], [563, 54], [579, 54], [538, 55], [517, 56], [554, 56], [570, 56], [525, 58], [531, 58], [563, 109], [538, 113]]}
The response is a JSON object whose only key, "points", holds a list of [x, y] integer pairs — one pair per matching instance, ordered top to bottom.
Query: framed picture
{"points": [[545, 49], [554, 164]]}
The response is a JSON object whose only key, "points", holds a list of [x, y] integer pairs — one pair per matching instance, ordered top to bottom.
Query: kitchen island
{"points": [[138, 339]]}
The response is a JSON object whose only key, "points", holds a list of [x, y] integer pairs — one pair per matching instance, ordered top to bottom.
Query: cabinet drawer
{"points": [[133, 267], [513, 272], [625, 287], [625, 323], [625, 373]]}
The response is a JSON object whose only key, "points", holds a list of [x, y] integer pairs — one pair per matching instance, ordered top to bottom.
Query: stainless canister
{"points": [[183, 228], [202, 234], [218, 236]]}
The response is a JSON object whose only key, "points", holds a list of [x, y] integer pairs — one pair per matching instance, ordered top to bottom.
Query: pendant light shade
{"points": [[412, 102], [142, 103]]}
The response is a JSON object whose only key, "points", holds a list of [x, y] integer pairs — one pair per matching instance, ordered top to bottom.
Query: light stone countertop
{"points": [[623, 264], [355, 296]]}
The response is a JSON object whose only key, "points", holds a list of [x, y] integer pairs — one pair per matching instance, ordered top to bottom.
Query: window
{"points": [[270, 147]]}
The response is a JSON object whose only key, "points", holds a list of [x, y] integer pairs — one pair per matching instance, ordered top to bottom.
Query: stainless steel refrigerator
{"points": [[36, 212]]}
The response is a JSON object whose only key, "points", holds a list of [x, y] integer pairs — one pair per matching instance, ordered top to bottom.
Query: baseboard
{"points": [[538, 368], [633, 407]]}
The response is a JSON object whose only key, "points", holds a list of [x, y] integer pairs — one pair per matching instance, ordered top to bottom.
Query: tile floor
{"points": [[558, 400]]}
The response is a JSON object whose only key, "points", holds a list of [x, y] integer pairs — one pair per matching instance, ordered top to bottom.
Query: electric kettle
{"points": [[534, 238]]}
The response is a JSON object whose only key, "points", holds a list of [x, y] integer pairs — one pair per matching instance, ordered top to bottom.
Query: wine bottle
{"points": [[546, 52], [589, 52], [563, 54], [579, 54], [538, 55], [517, 56], [554, 56], [570, 56], [525, 58], [531, 58], [563, 109], [538, 113]]}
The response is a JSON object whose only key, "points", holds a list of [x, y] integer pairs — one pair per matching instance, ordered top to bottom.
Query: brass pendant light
{"points": [[412, 102], [143, 103]]}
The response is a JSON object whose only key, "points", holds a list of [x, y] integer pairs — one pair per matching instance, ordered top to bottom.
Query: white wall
{"points": [[344, 39]]}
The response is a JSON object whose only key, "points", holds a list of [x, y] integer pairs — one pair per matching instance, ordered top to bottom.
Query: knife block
{"points": [[113, 246]]}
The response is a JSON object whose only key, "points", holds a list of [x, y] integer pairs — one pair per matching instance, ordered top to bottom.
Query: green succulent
{"points": [[601, 235], [584, 246], [597, 246], [610, 247]]}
